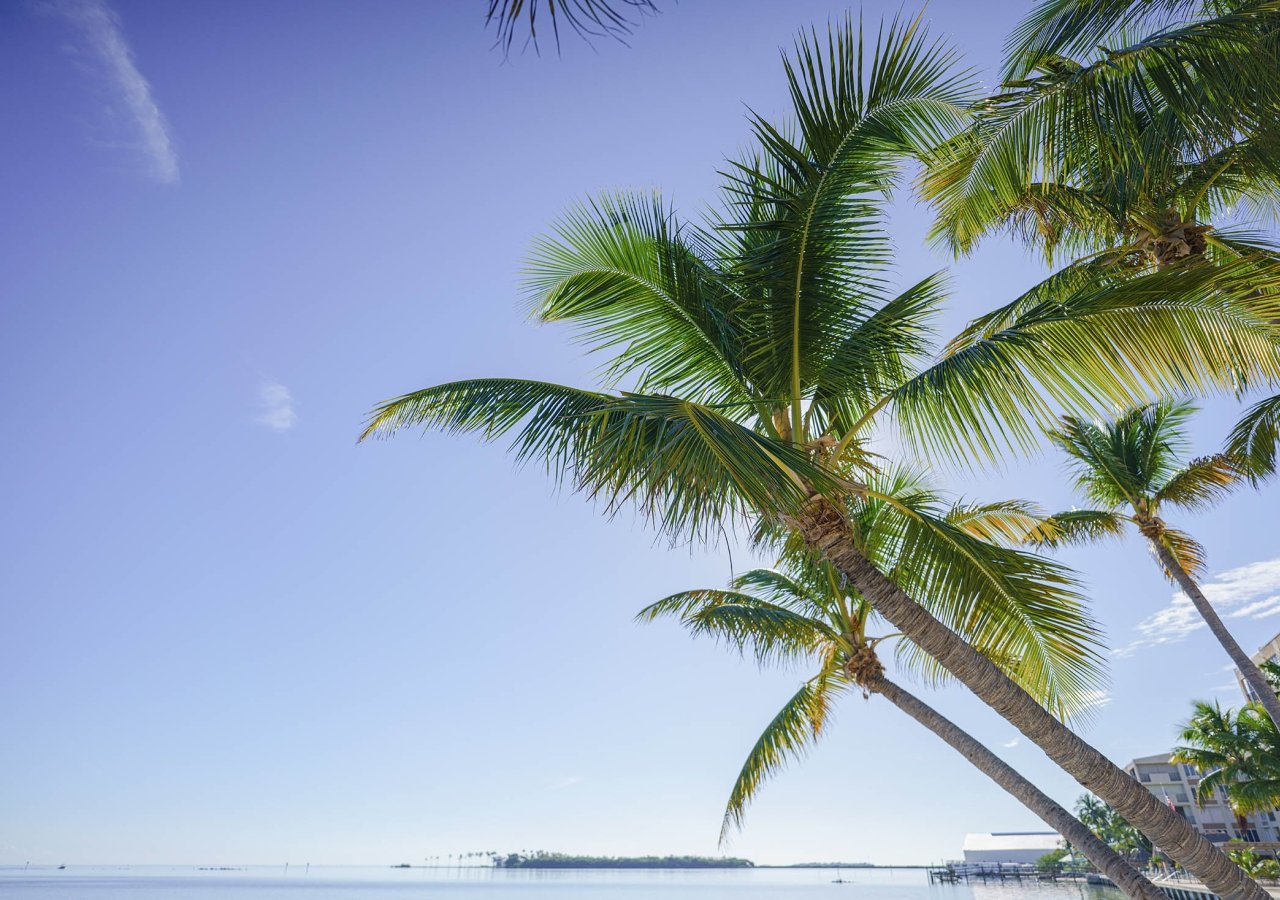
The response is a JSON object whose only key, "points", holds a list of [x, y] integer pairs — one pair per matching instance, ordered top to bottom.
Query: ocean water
{"points": [[382, 883]]}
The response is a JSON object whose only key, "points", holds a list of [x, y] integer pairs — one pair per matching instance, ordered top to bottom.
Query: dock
{"points": [[954, 873], [1179, 888]]}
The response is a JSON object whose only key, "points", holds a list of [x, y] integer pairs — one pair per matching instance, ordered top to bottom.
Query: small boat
{"points": [[839, 880]]}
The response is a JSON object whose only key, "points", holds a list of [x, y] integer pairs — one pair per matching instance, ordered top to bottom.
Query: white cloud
{"points": [[111, 61], [276, 407], [1247, 592], [1009, 745]]}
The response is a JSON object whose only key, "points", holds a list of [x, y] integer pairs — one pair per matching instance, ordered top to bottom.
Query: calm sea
{"points": [[359, 883]]}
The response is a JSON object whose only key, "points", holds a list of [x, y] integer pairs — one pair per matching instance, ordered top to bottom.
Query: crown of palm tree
{"points": [[1132, 153], [761, 348], [1134, 463], [806, 614], [1238, 752]]}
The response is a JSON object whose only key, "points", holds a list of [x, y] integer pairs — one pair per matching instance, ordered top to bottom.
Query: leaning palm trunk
{"points": [[826, 530], [1253, 676], [1109, 862]]}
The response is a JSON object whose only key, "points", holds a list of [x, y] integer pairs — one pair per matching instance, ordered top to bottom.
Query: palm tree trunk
{"points": [[825, 529], [1248, 668], [1109, 862]]}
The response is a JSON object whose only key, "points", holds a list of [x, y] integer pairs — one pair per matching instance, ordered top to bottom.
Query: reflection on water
{"points": [[383, 883]]}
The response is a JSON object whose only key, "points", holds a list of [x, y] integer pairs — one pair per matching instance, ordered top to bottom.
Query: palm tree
{"points": [[1166, 119], [753, 358], [1130, 470], [806, 615], [1238, 752], [1110, 826]]}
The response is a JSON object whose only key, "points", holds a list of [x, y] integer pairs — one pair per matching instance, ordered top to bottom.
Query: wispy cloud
{"points": [[110, 60], [275, 405], [1247, 592], [1009, 745]]}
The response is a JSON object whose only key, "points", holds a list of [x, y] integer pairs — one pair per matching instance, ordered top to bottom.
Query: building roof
{"points": [[1160, 759], [1013, 840]]}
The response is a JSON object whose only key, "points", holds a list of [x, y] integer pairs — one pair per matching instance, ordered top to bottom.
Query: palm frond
{"points": [[589, 19], [1068, 27], [1056, 28], [1077, 155], [811, 199], [628, 276], [1095, 346], [879, 353], [1255, 441], [686, 467], [1201, 483], [1007, 522], [1077, 526], [1186, 550], [780, 588], [1021, 610], [770, 632], [787, 737]]}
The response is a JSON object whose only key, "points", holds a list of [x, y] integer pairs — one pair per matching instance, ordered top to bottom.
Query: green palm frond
{"points": [[1056, 28], [1218, 58], [1168, 121], [811, 201], [623, 271], [1093, 347], [879, 353], [551, 413], [1254, 443], [684, 466], [1201, 483], [1007, 522], [1077, 526], [797, 593], [1017, 608], [772, 633], [787, 737]]}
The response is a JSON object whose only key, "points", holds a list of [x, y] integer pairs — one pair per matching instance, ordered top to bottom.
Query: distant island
{"points": [[544, 860]]}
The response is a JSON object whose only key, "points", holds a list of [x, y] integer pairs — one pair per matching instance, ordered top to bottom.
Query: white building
{"points": [[1270, 651], [1175, 785], [1010, 846]]}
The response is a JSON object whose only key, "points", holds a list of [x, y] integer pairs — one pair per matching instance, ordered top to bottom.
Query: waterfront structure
{"points": [[1268, 652], [1175, 785], [1010, 847]]}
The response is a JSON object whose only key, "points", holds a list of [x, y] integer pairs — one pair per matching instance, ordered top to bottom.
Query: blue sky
{"points": [[231, 635]]}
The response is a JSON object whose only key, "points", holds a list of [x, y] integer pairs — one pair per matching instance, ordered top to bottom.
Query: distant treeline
{"points": [[543, 860]]}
